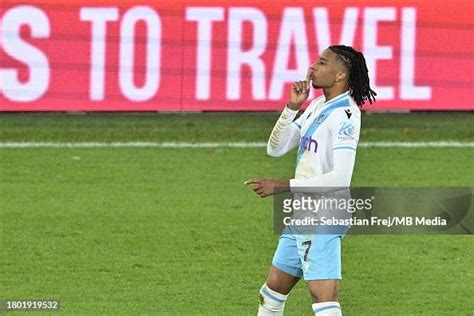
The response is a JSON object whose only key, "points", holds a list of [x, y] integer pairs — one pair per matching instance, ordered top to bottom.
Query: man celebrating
{"points": [[326, 134]]}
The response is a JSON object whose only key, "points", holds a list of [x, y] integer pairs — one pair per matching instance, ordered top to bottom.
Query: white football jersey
{"points": [[325, 130]]}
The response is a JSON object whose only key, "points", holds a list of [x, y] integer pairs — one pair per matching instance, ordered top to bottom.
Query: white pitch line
{"points": [[129, 144], [417, 144], [441, 144]]}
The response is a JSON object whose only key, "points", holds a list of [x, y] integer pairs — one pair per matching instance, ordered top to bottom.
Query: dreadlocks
{"points": [[359, 83]]}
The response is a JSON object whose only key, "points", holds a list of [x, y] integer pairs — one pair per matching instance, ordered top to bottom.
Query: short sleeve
{"points": [[345, 128]]}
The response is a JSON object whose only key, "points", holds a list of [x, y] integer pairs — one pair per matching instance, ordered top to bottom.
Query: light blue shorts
{"points": [[313, 257]]}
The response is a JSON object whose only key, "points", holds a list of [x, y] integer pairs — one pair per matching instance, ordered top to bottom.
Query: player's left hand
{"points": [[267, 187]]}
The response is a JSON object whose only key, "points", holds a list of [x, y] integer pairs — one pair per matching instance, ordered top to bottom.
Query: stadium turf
{"points": [[174, 231]]}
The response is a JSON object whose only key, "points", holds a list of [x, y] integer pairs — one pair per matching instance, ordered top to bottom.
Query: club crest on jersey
{"points": [[320, 118], [346, 130], [308, 143]]}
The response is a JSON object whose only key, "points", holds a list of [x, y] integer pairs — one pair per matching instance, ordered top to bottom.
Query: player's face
{"points": [[325, 70]]}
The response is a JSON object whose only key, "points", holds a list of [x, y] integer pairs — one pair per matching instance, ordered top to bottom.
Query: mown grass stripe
{"points": [[214, 144]]}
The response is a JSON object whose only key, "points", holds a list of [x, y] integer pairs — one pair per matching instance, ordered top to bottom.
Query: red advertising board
{"points": [[227, 55]]}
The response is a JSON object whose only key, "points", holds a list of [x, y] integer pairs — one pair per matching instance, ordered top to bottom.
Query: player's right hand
{"points": [[300, 91]]}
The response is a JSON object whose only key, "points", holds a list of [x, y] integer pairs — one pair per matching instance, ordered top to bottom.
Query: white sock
{"points": [[271, 303], [327, 309]]}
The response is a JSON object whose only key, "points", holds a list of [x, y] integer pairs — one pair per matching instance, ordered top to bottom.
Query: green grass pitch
{"points": [[174, 231]]}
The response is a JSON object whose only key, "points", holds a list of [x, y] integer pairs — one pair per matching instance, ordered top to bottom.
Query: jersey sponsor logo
{"points": [[346, 131], [308, 143]]}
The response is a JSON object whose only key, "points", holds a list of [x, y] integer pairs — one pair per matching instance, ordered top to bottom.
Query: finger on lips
{"points": [[308, 75]]}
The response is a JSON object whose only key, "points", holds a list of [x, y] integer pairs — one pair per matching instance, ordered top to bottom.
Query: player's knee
{"points": [[324, 290], [324, 297], [271, 300]]}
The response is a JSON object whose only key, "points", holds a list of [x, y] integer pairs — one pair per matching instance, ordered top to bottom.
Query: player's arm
{"points": [[286, 133], [284, 137], [344, 137], [340, 177]]}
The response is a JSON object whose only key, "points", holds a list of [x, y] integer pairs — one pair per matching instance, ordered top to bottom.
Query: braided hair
{"points": [[359, 82]]}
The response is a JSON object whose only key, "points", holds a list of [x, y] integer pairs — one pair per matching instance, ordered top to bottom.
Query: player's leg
{"points": [[321, 262], [284, 273], [281, 281], [274, 292], [324, 294]]}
